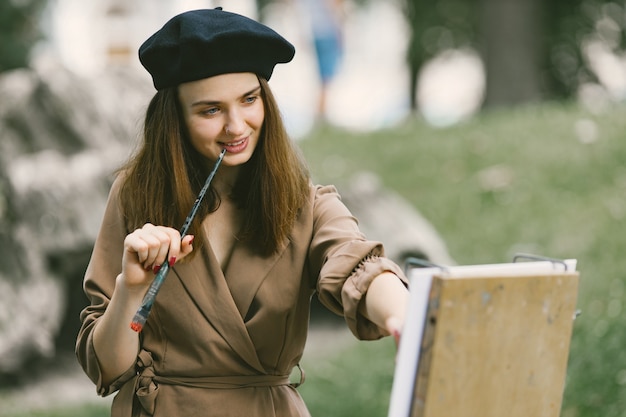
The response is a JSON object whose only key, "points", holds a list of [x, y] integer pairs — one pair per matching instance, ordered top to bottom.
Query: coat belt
{"points": [[145, 386]]}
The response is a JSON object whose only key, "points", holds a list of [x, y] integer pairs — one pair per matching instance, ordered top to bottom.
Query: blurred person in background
{"points": [[325, 19]]}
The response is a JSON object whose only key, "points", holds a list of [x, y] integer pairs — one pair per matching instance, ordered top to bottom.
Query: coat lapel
{"points": [[245, 273], [211, 294]]}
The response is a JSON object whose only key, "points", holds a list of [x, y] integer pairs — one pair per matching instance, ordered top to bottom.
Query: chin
{"points": [[234, 159]]}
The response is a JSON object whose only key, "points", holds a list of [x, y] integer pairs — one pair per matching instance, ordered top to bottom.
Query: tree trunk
{"points": [[512, 48]]}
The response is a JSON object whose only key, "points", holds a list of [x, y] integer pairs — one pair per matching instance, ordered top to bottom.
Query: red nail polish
{"points": [[191, 240], [172, 260], [156, 269], [396, 336]]}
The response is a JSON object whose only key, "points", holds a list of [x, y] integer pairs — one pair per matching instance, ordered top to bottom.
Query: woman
{"points": [[230, 321]]}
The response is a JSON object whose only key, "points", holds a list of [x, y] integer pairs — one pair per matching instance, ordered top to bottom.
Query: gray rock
{"points": [[61, 137], [385, 216]]}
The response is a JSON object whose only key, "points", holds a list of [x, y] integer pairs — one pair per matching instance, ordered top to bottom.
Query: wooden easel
{"points": [[494, 342]]}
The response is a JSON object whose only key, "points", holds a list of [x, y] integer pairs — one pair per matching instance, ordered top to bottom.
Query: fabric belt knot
{"points": [[141, 387], [146, 389]]}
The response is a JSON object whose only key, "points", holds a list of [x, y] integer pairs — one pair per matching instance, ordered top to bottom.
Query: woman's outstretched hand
{"points": [[147, 248], [385, 304], [394, 326]]}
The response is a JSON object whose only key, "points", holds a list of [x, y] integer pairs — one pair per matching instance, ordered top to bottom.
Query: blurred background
{"points": [[493, 126]]}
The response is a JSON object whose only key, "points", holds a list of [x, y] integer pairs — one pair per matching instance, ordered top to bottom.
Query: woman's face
{"points": [[224, 112]]}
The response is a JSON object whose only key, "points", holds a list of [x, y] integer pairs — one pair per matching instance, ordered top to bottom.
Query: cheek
{"points": [[258, 117], [202, 132]]}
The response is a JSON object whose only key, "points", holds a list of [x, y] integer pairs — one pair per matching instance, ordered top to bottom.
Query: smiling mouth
{"points": [[237, 143], [236, 146]]}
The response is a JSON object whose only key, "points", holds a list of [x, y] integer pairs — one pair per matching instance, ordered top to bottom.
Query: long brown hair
{"points": [[162, 180]]}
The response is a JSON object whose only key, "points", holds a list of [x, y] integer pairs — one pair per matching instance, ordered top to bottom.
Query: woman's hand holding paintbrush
{"points": [[151, 244], [147, 249]]}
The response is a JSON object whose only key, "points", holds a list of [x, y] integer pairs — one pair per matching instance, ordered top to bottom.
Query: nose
{"points": [[235, 124]]}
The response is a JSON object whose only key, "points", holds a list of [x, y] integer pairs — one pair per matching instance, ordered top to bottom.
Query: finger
{"points": [[160, 240], [142, 242], [147, 242], [136, 244], [174, 245], [186, 246], [135, 252], [394, 327]]}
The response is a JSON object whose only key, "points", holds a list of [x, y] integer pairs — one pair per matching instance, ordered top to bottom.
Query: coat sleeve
{"points": [[347, 262], [99, 282]]}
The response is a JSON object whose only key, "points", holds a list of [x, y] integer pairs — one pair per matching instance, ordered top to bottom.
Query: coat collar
{"points": [[245, 273]]}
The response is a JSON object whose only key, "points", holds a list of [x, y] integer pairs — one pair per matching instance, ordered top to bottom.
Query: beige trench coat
{"points": [[223, 343]]}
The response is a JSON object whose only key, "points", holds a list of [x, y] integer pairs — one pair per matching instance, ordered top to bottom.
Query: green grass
{"points": [[504, 182], [357, 382], [78, 411]]}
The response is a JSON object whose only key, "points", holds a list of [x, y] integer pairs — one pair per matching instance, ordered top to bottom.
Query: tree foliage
{"points": [[574, 24], [435, 27], [19, 31], [555, 32]]}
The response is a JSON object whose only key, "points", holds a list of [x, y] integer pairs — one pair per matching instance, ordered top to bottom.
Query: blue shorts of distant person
{"points": [[329, 52]]}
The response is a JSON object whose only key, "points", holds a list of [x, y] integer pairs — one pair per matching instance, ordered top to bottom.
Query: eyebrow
{"points": [[209, 102]]}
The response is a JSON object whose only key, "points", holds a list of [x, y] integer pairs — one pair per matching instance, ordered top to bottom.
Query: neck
{"points": [[225, 179]]}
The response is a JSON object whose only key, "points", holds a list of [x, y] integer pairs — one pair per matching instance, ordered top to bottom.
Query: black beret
{"points": [[203, 43]]}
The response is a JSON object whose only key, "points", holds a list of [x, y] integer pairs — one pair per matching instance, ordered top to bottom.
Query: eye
{"points": [[250, 99], [209, 111]]}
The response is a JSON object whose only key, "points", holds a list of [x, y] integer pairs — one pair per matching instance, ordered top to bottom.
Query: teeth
{"points": [[236, 143]]}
